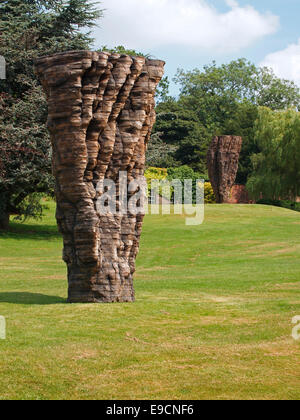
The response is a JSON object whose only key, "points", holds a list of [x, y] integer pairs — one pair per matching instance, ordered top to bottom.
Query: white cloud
{"points": [[148, 24], [285, 63]]}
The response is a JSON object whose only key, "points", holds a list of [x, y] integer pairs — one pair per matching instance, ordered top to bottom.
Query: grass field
{"points": [[212, 318]]}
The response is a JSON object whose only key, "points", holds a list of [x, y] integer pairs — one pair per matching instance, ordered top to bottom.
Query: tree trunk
{"points": [[101, 112], [4, 221]]}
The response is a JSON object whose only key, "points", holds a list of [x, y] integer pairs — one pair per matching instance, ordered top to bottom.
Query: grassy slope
{"points": [[212, 317]]}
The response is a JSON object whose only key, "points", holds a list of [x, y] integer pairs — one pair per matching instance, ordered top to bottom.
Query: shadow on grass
{"points": [[25, 231], [25, 298]]}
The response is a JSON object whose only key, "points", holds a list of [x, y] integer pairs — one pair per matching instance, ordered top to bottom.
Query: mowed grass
{"points": [[212, 318]]}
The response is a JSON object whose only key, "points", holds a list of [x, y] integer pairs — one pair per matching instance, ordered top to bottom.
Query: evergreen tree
{"points": [[29, 29]]}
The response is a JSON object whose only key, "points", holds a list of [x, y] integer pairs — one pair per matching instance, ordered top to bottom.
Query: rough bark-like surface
{"points": [[101, 113], [222, 161]]}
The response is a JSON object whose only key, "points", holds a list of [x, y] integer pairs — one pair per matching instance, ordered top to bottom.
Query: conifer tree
{"points": [[29, 29]]}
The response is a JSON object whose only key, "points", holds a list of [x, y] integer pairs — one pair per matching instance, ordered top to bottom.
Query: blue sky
{"points": [[190, 33]]}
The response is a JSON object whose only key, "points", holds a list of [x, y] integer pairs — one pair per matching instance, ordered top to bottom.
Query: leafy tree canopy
{"points": [[240, 80], [276, 173]]}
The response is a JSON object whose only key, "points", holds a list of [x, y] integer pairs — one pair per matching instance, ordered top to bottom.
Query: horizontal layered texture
{"points": [[101, 113]]}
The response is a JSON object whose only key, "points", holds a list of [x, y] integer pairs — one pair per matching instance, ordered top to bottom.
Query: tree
{"points": [[28, 29], [120, 49], [221, 87], [163, 91], [275, 93], [242, 122], [179, 126], [160, 154], [25, 162], [276, 169]]}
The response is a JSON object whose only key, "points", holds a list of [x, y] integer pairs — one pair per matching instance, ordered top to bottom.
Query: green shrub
{"points": [[183, 173], [287, 204]]}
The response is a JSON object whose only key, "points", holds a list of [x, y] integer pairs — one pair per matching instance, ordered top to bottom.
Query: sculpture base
{"points": [[95, 286], [96, 296], [95, 299]]}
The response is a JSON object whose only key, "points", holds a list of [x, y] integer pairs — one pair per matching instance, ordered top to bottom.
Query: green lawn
{"points": [[212, 317]]}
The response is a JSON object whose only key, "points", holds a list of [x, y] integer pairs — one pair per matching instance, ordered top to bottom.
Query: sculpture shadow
{"points": [[36, 232], [25, 298]]}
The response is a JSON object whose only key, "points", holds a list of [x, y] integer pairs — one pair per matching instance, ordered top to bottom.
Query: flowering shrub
{"points": [[155, 173], [181, 173], [209, 196]]}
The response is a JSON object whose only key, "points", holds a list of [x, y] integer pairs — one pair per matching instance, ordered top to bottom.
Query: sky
{"points": [[188, 34]]}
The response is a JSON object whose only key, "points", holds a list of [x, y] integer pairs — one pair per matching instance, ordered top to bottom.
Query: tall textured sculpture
{"points": [[101, 113], [222, 161]]}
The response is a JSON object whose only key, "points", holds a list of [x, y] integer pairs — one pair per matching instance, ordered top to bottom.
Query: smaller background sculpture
{"points": [[222, 161]]}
